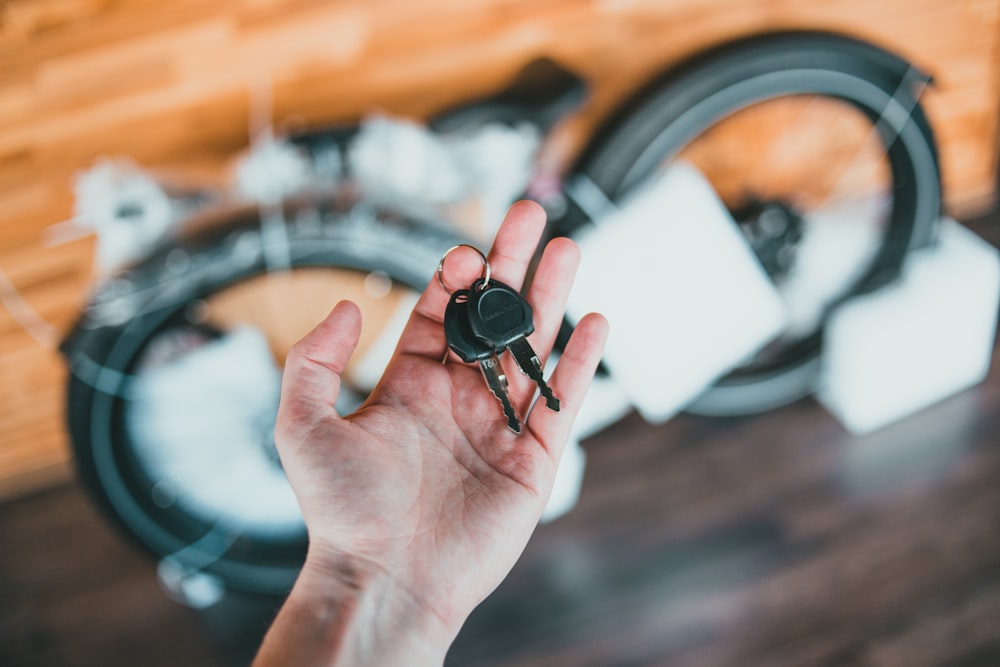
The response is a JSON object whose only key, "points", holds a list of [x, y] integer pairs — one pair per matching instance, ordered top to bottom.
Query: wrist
{"points": [[346, 611]]}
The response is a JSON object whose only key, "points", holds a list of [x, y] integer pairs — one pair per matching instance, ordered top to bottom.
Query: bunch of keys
{"points": [[484, 321]]}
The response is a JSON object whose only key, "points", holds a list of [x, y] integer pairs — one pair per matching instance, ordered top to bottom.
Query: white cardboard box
{"points": [[684, 294], [917, 341]]}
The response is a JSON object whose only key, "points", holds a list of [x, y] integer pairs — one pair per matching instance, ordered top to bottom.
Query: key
{"points": [[499, 315], [469, 348]]}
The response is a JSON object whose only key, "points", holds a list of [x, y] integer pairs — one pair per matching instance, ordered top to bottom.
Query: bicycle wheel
{"points": [[796, 132], [175, 371]]}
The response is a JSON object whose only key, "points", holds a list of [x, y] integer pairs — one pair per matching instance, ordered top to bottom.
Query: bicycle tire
{"points": [[676, 109], [127, 312]]}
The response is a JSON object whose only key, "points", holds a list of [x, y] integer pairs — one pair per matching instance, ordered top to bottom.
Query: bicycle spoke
{"points": [[875, 136]]}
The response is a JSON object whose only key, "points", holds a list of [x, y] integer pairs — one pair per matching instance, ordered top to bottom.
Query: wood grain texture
{"points": [[170, 84]]}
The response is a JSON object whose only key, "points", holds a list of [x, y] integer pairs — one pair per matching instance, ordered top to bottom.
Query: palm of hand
{"points": [[423, 470]]}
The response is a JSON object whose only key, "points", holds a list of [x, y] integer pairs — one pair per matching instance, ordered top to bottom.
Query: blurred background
{"points": [[807, 470]]}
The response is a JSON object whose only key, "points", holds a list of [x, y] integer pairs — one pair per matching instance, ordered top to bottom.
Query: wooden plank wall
{"points": [[169, 83]]}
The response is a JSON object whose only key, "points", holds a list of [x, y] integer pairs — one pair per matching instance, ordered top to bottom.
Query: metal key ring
{"points": [[440, 268]]}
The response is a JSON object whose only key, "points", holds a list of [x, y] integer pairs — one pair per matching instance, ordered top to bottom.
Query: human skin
{"points": [[420, 502]]}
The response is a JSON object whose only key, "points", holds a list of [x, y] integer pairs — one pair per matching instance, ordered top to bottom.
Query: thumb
{"points": [[311, 381]]}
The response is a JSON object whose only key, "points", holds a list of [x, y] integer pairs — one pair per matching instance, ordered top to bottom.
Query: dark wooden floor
{"points": [[777, 540]]}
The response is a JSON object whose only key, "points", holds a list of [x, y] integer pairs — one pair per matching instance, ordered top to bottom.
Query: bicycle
{"points": [[137, 448]]}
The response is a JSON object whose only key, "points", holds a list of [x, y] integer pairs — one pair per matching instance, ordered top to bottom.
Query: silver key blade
{"points": [[532, 367], [497, 381]]}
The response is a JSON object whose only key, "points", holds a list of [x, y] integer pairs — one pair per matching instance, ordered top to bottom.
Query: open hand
{"points": [[420, 502]]}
